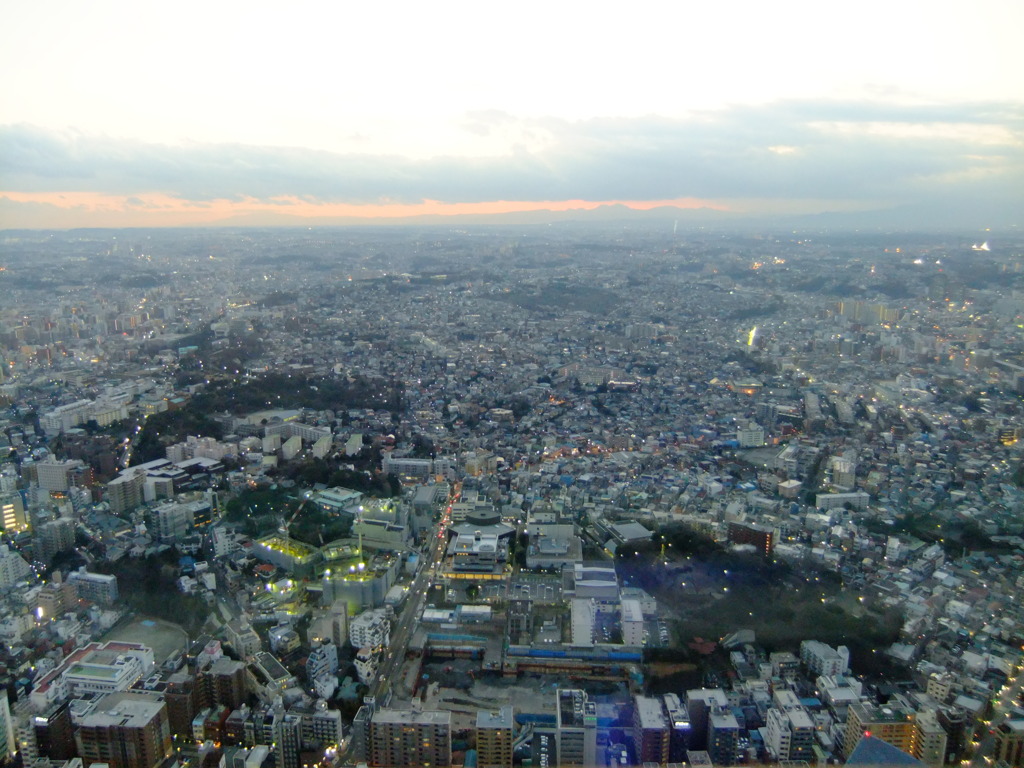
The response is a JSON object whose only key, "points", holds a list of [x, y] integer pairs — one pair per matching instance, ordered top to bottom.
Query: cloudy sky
{"points": [[117, 113]]}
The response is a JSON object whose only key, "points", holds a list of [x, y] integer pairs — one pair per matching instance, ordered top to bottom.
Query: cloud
{"points": [[844, 151]]}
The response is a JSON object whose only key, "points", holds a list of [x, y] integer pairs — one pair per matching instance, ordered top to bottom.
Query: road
{"points": [[405, 625], [1001, 712]]}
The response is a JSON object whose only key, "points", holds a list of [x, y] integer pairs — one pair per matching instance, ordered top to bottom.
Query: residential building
{"points": [[52, 537], [13, 567], [98, 588], [370, 628], [821, 659], [892, 723], [125, 730], [651, 731], [789, 732], [494, 735], [723, 736], [400, 738], [930, 738], [8, 741], [1009, 743]]}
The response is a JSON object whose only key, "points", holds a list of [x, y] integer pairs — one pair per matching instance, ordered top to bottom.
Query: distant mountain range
{"points": [[910, 217]]}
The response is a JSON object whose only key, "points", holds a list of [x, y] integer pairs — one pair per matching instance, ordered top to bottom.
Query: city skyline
{"points": [[117, 116]]}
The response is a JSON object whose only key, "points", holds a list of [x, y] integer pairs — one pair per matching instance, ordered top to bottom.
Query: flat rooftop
{"points": [[412, 717], [501, 718]]}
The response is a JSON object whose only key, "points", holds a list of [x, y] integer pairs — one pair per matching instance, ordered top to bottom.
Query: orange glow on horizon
{"points": [[158, 209]]}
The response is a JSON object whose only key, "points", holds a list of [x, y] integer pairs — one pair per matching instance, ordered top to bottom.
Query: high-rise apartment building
{"points": [[54, 475], [125, 492], [53, 537], [13, 567], [100, 588], [823, 659], [222, 682], [699, 702], [679, 722], [892, 723], [125, 730], [789, 732], [54, 733], [651, 733], [494, 734], [723, 736], [401, 737], [929, 738], [288, 741], [8, 742], [1009, 748]]}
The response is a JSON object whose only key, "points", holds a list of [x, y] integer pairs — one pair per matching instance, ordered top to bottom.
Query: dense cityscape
{"points": [[539, 496]]}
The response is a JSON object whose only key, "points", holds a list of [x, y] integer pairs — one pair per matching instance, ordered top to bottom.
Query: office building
{"points": [[55, 476], [12, 512], [519, 621], [96, 668], [576, 722]]}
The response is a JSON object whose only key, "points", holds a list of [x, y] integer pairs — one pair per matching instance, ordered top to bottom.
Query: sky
{"points": [[118, 113]]}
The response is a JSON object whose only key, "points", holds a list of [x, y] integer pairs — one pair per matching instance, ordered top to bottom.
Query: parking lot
{"points": [[541, 589]]}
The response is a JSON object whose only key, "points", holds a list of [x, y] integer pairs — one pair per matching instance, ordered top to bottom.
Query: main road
{"points": [[405, 624], [1002, 710]]}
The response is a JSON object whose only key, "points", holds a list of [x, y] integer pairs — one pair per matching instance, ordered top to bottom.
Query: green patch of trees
{"points": [[283, 390], [163, 429], [147, 586], [714, 592]]}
